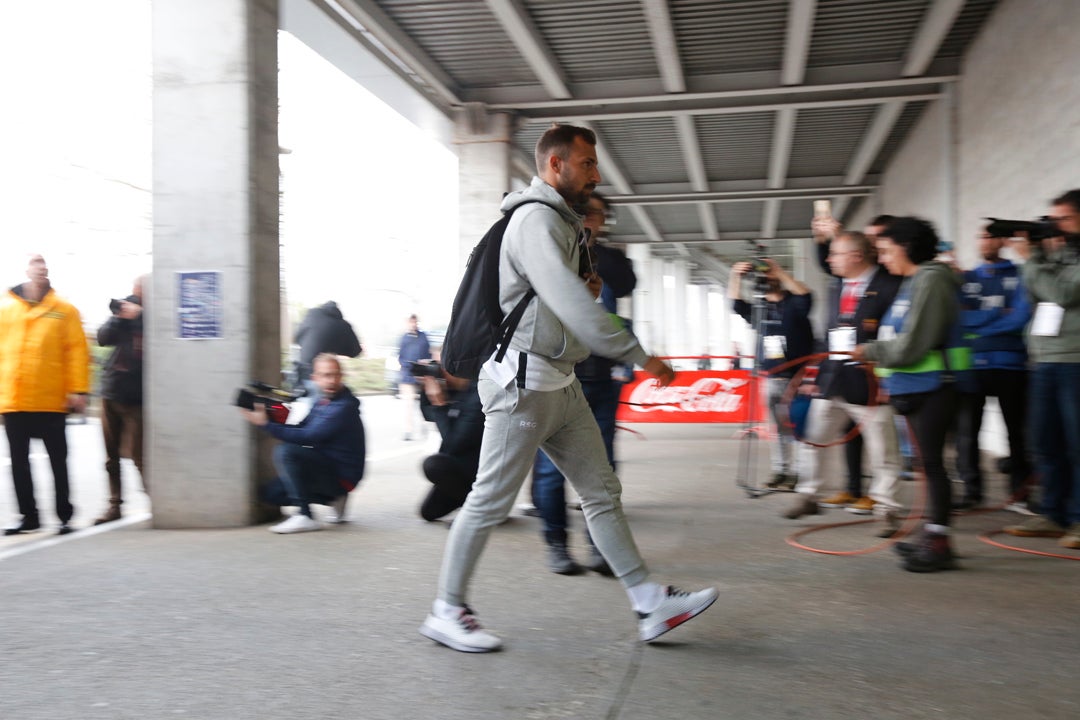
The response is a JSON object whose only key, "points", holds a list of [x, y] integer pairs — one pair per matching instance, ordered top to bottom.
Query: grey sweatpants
{"points": [[517, 422]]}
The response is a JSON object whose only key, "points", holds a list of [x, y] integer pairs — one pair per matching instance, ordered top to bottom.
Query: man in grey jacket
{"points": [[1052, 277], [533, 400]]}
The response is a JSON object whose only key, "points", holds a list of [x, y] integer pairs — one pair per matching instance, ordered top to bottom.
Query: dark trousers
{"points": [[1010, 388], [930, 415], [116, 420], [51, 428], [1055, 438], [853, 452], [305, 476], [548, 484]]}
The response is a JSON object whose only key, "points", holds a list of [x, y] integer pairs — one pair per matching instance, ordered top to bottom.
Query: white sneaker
{"points": [[1020, 508], [336, 516], [296, 524], [677, 607], [463, 633]]}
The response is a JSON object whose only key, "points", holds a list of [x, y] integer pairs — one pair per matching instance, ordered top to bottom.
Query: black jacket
{"points": [[790, 318], [324, 329], [122, 373], [849, 381]]}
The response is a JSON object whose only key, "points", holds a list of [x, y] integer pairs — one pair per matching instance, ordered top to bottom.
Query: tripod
{"points": [[746, 477]]}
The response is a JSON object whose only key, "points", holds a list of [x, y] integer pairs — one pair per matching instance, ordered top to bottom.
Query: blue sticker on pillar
{"points": [[199, 305]]}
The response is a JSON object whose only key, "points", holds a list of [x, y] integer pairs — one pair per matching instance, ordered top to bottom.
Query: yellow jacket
{"points": [[44, 355]]}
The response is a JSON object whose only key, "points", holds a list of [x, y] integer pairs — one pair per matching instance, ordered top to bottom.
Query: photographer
{"points": [[1052, 277], [784, 334], [122, 391], [453, 404], [321, 459]]}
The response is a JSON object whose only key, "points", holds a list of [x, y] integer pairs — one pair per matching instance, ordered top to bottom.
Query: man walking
{"points": [[44, 374], [533, 400]]}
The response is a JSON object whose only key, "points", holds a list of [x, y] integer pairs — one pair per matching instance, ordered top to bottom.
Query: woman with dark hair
{"points": [[916, 369]]}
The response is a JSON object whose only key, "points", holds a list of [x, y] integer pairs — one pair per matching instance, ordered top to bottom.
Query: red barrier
{"points": [[696, 396]]}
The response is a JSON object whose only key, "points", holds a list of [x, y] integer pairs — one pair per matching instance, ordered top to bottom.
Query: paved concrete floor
{"points": [[237, 624]]}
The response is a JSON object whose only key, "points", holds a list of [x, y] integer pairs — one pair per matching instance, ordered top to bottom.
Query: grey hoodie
{"points": [[934, 307], [563, 323]]}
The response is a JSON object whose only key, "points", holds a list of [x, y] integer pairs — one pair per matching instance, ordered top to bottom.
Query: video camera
{"points": [[1036, 230], [426, 369], [271, 397]]}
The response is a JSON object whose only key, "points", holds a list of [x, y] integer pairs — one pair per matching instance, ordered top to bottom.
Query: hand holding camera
{"points": [[125, 309]]}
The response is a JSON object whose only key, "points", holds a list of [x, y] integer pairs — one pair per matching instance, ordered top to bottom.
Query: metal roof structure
{"points": [[718, 121]]}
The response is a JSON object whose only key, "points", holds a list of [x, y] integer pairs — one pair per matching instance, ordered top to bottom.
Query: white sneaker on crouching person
{"points": [[336, 516], [296, 524], [676, 607], [458, 628]]}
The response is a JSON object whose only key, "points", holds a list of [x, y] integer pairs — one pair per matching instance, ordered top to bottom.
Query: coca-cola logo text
{"points": [[715, 395]]}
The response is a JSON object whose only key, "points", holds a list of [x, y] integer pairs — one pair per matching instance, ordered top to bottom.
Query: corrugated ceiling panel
{"points": [[966, 27], [855, 31], [730, 36], [465, 39], [596, 39], [911, 114], [527, 135], [826, 138], [735, 147], [647, 150], [796, 215], [739, 216], [682, 218], [625, 224]]}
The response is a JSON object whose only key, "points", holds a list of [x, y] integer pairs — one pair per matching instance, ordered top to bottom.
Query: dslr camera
{"points": [[115, 305], [426, 369], [273, 398]]}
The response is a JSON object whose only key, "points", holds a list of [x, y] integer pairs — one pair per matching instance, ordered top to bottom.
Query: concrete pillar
{"points": [[484, 150], [215, 212], [643, 293], [658, 302], [721, 310], [681, 340], [705, 344]]}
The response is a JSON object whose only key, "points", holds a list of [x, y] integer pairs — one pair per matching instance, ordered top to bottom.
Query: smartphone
{"points": [[822, 208]]}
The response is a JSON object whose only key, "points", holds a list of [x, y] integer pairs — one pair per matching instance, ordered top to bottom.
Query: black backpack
{"points": [[477, 325]]}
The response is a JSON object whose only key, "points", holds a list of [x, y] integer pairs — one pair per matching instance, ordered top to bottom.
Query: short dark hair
{"points": [[557, 140], [1070, 198], [602, 200], [882, 221], [915, 235]]}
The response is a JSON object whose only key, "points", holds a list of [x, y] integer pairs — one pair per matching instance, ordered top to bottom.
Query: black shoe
{"points": [[778, 480], [967, 503], [803, 505], [24, 527], [65, 529], [931, 554], [560, 562]]}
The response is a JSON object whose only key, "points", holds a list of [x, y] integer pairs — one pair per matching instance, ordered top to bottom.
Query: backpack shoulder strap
{"points": [[507, 325]]}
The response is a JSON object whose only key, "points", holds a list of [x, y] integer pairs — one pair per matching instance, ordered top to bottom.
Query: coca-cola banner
{"points": [[698, 396]]}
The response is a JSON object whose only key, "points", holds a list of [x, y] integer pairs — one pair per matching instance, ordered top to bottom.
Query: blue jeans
{"points": [[1055, 438], [305, 476], [548, 484]]}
